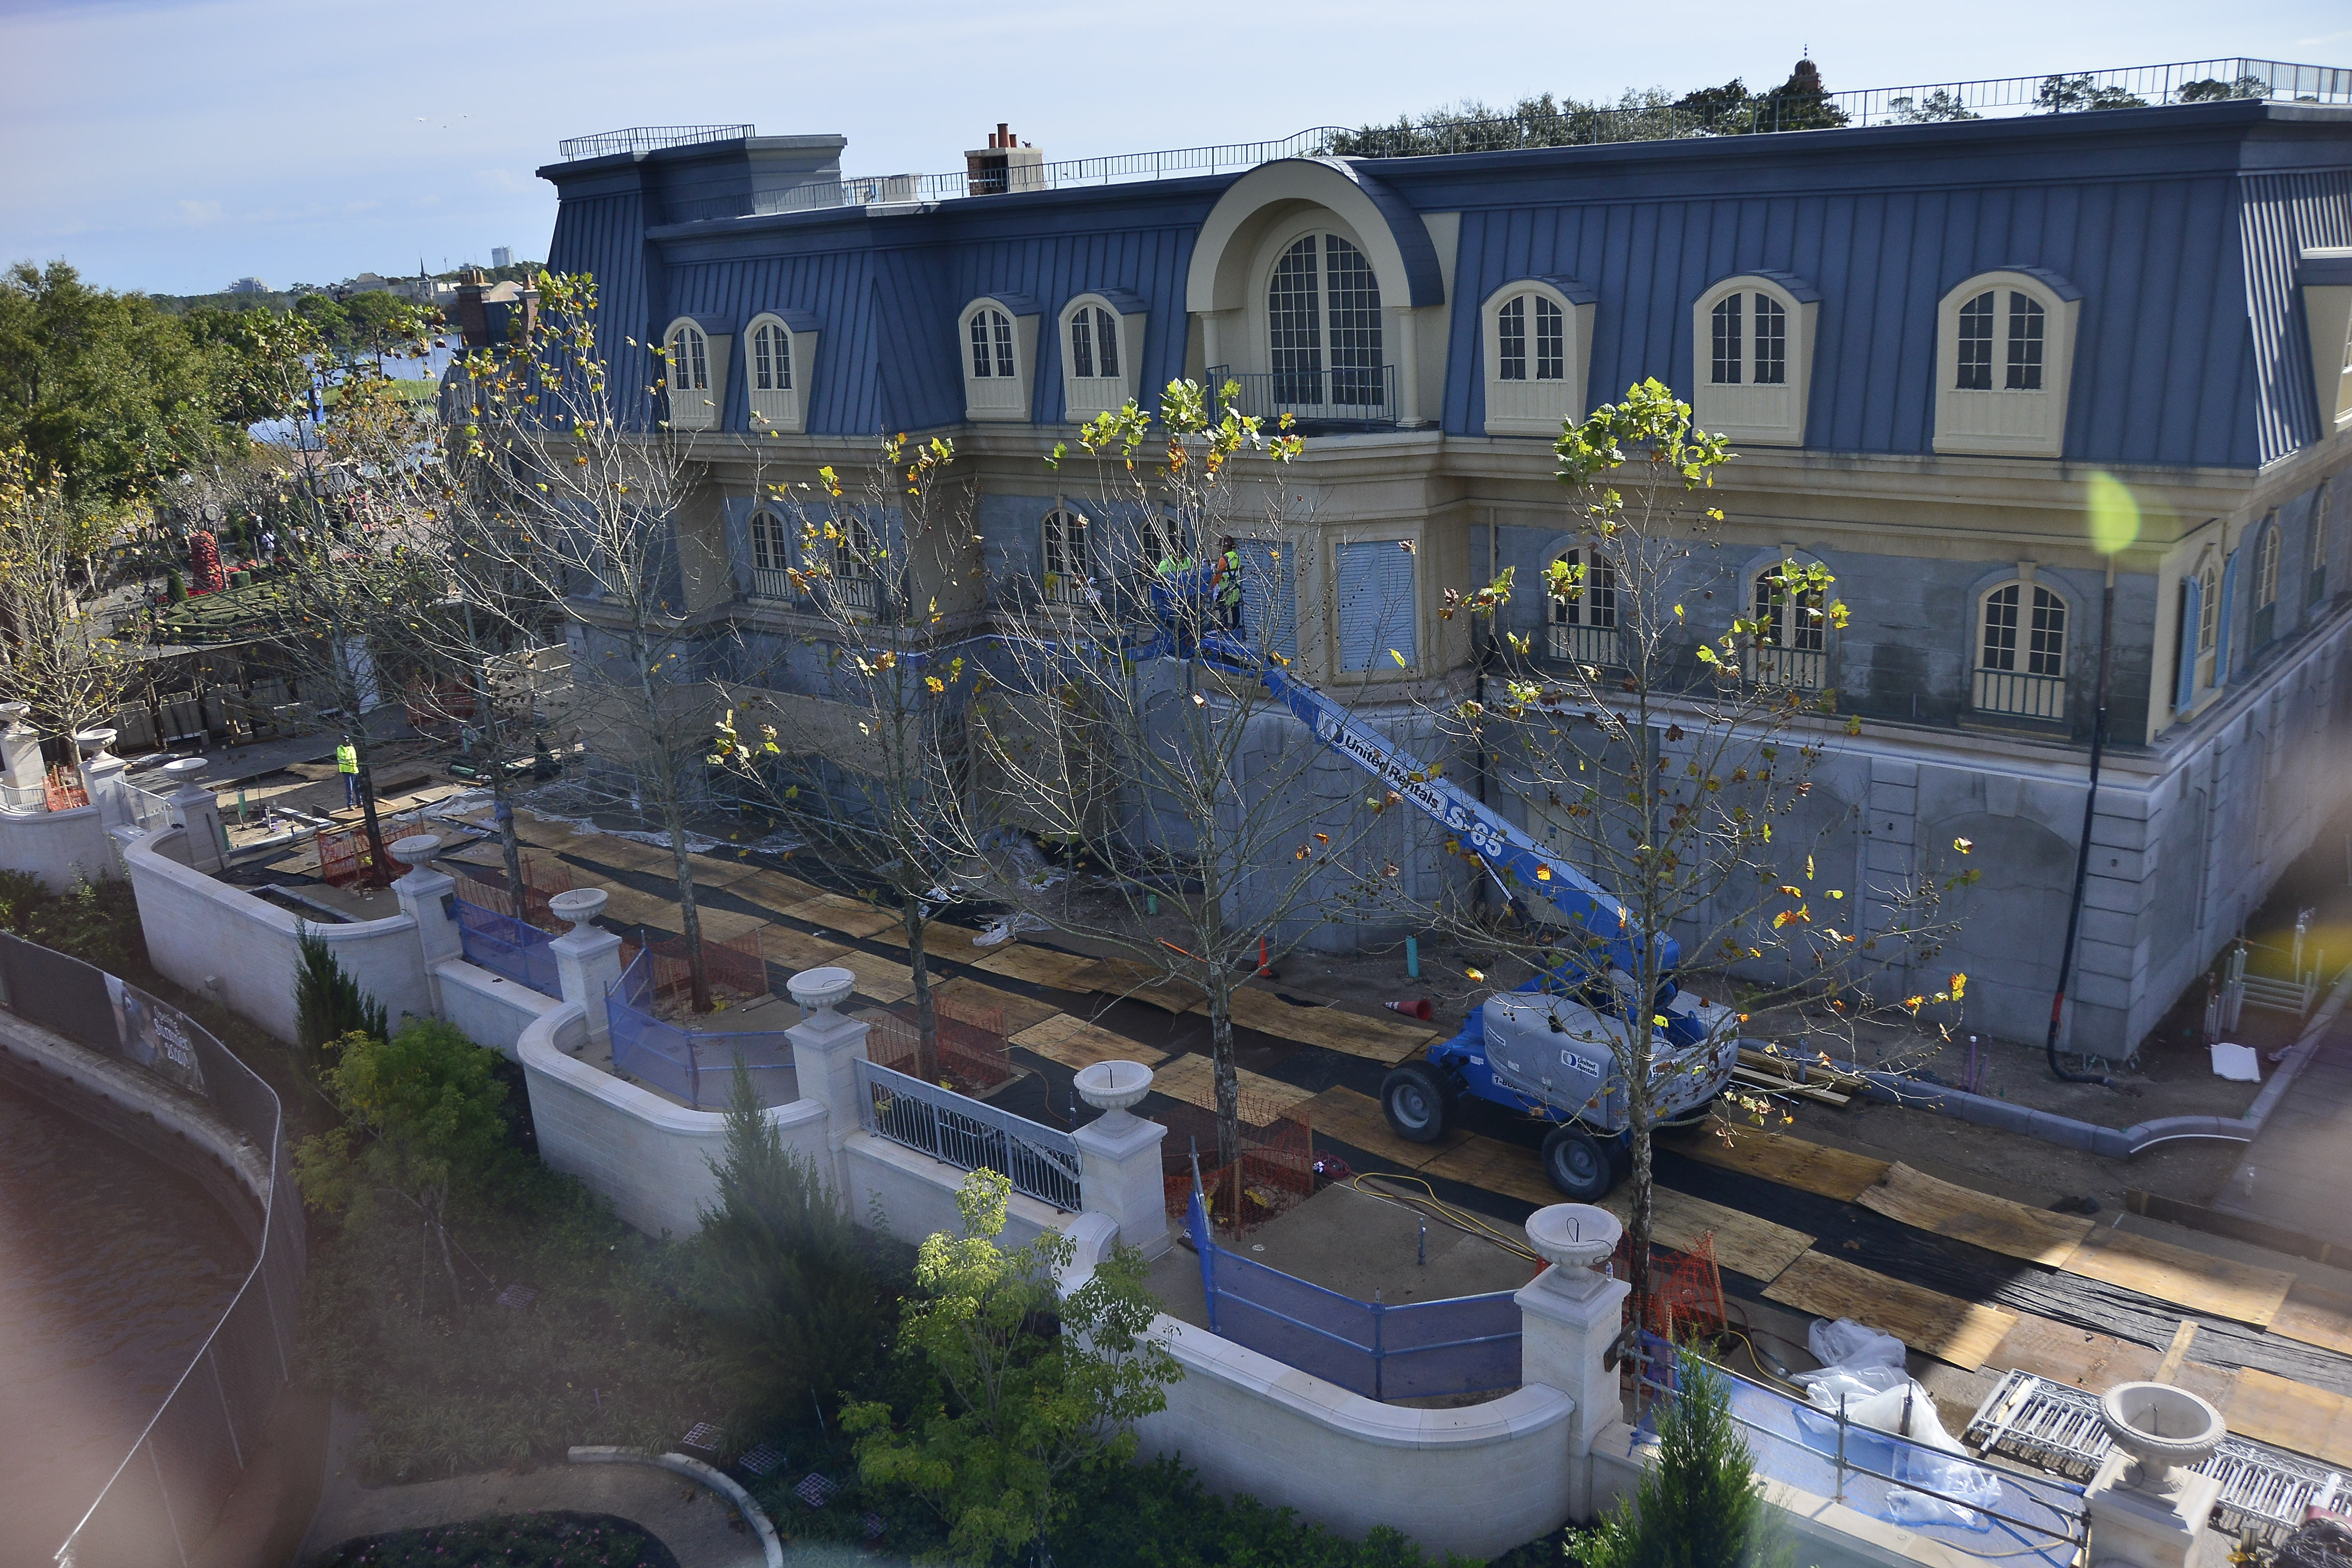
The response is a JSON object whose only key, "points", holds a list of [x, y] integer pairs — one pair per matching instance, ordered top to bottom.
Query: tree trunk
{"points": [[690, 918], [926, 1018], [1228, 1073]]}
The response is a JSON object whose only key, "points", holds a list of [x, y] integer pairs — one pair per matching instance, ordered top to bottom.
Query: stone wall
{"points": [[60, 848], [491, 1010]]}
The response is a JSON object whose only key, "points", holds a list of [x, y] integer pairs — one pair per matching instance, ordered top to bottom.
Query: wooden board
{"points": [[623, 854], [714, 873], [774, 891], [628, 907], [834, 911], [726, 925], [941, 941], [796, 950], [1038, 965], [1124, 978], [886, 980], [1020, 1012], [1333, 1028], [1075, 1043], [1193, 1079], [1356, 1119], [1791, 1162], [1494, 1166], [1997, 1225], [1743, 1243], [2193, 1280], [2315, 1317], [1961, 1333], [2064, 1353], [2294, 1415]]}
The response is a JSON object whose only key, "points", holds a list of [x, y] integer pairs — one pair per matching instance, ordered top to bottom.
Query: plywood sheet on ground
{"points": [[627, 854], [710, 872], [773, 890], [628, 907], [835, 911], [726, 925], [940, 940], [796, 950], [1038, 965], [1123, 977], [886, 980], [1020, 1012], [1333, 1028], [1075, 1043], [1193, 1079], [1356, 1119], [1791, 1162], [1492, 1165], [1949, 1209], [1743, 1243], [2193, 1280], [2315, 1317], [1962, 1332], [2064, 1353], [2270, 1409]]}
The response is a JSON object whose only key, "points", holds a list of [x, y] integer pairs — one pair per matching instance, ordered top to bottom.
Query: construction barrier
{"points": [[344, 860], [487, 888], [970, 1056], [1275, 1173], [1686, 1291]]}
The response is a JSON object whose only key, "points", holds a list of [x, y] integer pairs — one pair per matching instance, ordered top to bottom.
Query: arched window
{"points": [[1323, 327], [1102, 334], [1538, 336], [1093, 343], [991, 344], [2005, 347], [999, 348], [1753, 348], [689, 358], [772, 358], [1513, 361], [694, 373], [777, 375], [772, 558], [857, 564], [1067, 577], [2266, 581], [2315, 584], [2209, 619], [1583, 621], [1791, 642], [2021, 652]]}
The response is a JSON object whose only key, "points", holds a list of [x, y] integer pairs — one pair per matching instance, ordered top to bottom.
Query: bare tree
{"points": [[53, 654], [1131, 715], [1665, 728], [872, 769]]}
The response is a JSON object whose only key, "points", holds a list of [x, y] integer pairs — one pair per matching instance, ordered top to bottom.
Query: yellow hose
{"points": [[1459, 1219]]}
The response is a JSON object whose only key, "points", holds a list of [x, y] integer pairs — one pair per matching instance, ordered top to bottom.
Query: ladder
{"points": [[2057, 1426]]}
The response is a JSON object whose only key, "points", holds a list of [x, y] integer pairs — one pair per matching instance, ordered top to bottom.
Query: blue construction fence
{"points": [[505, 945], [696, 1066], [1413, 1349]]}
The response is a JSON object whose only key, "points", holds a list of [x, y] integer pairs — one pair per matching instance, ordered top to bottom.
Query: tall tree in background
{"points": [[53, 654]]}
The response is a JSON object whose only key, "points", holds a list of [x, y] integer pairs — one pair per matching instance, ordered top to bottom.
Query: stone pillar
{"points": [[20, 758], [101, 776], [195, 808], [429, 897], [587, 958], [826, 1049], [1118, 1173], [1568, 1317], [2147, 1506]]}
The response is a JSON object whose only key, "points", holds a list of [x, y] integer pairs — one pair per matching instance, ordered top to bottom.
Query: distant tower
{"points": [[1806, 78], [502, 256]]}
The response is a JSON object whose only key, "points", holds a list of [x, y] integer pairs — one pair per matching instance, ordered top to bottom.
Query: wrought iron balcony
{"points": [[1364, 396], [1583, 644], [1796, 668], [2018, 695]]}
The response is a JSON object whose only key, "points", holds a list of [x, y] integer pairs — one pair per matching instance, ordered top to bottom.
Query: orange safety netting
{"points": [[62, 790], [344, 860], [485, 888], [737, 966], [970, 1055], [1275, 1173], [1685, 1289]]}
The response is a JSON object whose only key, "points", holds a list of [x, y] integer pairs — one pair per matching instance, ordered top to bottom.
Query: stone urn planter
{"points": [[94, 743], [414, 850], [581, 905], [821, 990], [1112, 1087], [1573, 1238], [2163, 1429]]}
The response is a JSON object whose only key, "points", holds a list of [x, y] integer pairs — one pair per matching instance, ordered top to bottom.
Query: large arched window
{"points": [[1323, 333], [1539, 346], [999, 347], [2005, 348], [1753, 350], [776, 372], [694, 373], [772, 557], [1069, 576], [1583, 620], [1791, 647], [2020, 665]]}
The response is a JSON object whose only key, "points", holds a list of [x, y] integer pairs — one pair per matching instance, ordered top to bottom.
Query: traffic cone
{"points": [[1416, 1007]]}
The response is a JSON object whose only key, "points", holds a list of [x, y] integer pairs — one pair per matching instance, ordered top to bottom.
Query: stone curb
{"points": [[2114, 1143], [695, 1471]]}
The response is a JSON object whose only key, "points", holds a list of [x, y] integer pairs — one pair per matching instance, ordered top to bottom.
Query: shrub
{"points": [[175, 587], [97, 922], [327, 1003], [1696, 1507], [525, 1541]]}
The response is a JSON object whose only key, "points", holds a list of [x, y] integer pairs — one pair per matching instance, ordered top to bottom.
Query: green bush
{"points": [[175, 587], [97, 922], [327, 1003], [1697, 1507], [524, 1539]]}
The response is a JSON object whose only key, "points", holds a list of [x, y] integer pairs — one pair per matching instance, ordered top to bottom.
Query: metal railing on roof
{"points": [[1576, 125], [647, 138]]}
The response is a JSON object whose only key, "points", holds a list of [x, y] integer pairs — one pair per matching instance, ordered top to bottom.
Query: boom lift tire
{"points": [[1418, 1102], [1577, 1164]]}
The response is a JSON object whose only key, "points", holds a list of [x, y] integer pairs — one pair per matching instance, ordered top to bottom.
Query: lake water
{"points": [[113, 1268]]}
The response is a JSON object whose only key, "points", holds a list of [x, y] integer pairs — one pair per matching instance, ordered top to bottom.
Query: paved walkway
{"points": [[2293, 1173]]}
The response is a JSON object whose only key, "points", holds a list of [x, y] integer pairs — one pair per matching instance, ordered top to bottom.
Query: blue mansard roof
{"points": [[2182, 228]]}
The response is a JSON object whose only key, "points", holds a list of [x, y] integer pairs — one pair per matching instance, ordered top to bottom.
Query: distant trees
{"points": [[1801, 103]]}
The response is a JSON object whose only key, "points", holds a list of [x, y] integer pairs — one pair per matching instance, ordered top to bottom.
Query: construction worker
{"points": [[1227, 583], [347, 763]]}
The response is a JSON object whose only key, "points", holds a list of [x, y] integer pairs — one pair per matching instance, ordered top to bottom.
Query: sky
{"points": [[173, 145]]}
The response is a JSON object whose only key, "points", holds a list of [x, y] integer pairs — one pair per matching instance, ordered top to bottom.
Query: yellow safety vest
{"points": [[347, 759]]}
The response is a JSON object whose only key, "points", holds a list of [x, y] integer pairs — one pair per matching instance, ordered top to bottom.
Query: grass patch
{"points": [[520, 1540]]}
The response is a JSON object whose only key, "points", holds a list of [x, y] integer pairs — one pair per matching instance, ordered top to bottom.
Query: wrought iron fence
{"points": [[2123, 86], [1363, 396], [774, 583], [1796, 668], [2021, 695], [148, 809], [505, 945], [696, 1066], [1040, 1161], [1413, 1350], [167, 1493]]}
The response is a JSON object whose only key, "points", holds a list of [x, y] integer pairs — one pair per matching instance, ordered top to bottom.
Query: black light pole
{"points": [[2082, 856]]}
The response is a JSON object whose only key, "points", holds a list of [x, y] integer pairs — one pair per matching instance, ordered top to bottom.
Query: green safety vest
{"points": [[347, 759]]}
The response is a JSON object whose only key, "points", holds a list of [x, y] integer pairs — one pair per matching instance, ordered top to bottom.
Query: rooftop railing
{"points": [[1572, 125]]}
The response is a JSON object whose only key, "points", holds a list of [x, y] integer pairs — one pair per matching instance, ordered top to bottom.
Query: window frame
{"points": [[1387, 377], [1084, 396], [997, 397], [1536, 405], [697, 407], [779, 408], [1760, 414], [1997, 419], [1386, 555], [772, 581], [1071, 582], [1574, 629], [1793, 665], [2017, 689]]}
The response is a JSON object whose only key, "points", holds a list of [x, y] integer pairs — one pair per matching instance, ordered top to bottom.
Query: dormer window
{"points": [[1102, 342], [2005, 345], [999, 346], [1753, 347], [1538, 351], [694, 373], [776, 377]]}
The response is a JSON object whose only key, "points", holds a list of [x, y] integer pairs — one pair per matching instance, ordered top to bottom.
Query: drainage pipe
{"points": [[2082, 856]]}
